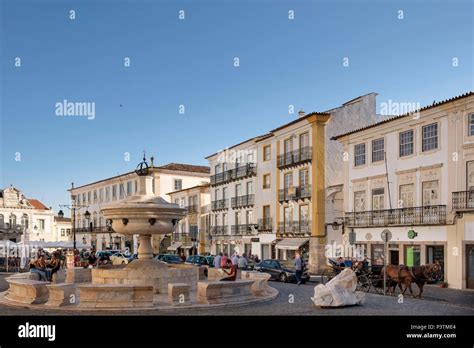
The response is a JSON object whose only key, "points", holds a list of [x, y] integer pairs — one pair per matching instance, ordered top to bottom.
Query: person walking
{"points": [[235, 259], [217, 260], [224, 260], [243, 263], [298, 268]]}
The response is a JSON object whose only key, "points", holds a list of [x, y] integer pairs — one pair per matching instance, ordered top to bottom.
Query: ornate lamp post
{"points": [[73, 206]]}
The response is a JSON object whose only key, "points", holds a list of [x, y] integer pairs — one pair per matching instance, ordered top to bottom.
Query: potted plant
{"points": [[444, 285]]}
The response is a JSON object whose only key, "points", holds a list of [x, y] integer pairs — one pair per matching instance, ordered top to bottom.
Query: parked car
{"points": [[169, 258], [121, 259], [200, 260], [282, 270]]}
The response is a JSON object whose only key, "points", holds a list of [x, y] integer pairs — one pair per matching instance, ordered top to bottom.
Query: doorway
{"points": [[435, 253], [394, 257], [470, 266]]}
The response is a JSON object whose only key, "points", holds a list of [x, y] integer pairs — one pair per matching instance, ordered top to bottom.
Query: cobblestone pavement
{"points": [[296, 300]]}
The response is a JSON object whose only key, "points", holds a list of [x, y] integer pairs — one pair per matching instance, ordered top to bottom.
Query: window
{"points": [[470, 128], [430, 137], [304, 140], [406, 143], [288, 146], [378, 150], [267, 153], [359, 155], [217, 169], [470, 175], [304, 177], [288, 180], [266, 181], [178, 184], [136, 186], [249, 187], [129, 188], [238, 190], [122, 191], [114, 192], [430, 193], [107, 194], [216, 194], [101, 195], [95, 196], [406, 196], [89, 197], [84, 198], [378, 199], [78, 200], [359, 201], [266, 213], [304, 213], [287, 216], [249, 217], [224, 219], [12, 220], [25, 221], [41, 224], [68, 231], [63, 232], [377, 254]]}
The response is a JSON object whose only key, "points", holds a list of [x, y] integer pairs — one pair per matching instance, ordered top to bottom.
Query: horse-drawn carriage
{"points": [[371, 277]]}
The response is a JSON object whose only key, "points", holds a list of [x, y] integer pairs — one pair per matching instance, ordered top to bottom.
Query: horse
{"points": [[425, 273], [401, 274], [398, 275]]}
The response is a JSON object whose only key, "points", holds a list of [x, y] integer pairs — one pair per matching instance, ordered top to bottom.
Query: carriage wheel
{"points": [[363, 283]]}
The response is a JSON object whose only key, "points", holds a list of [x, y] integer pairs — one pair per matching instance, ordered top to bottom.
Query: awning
{"points": [[291, 243], [175, 246], [187, 246]]}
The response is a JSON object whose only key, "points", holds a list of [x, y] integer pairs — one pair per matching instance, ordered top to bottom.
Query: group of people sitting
{"points": [[46, 266]]}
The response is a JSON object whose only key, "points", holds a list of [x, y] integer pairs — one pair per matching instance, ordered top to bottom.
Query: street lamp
{"points": [[73, 208], [60, 214]]}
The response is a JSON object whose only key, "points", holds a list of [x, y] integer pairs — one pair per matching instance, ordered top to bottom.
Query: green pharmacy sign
{"points": [[412, 234]]}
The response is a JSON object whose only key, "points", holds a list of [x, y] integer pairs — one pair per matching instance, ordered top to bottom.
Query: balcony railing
{"points": [[293, 158], [239, 172], [294, 193], [463, 200], [242, 201], [220, 204], [192, 209], [427, 215], [265, 225], [12, 227], [294, 228], [96, 229], [219, 230], [241, 230]]}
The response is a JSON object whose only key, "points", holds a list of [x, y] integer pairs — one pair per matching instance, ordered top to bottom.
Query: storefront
{"points": [[286, 248]]}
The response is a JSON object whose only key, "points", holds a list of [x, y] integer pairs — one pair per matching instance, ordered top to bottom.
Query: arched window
{"points": [[2, 220], [12, 220], [25, 221]]}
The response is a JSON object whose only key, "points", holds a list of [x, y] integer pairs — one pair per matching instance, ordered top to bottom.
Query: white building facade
{"points": [[414, 174], [276, 193], [91, 197], [24, 219], [192, 233]]}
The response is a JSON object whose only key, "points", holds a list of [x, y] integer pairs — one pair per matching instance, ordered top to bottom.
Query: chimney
{"points": [[301, 113]]}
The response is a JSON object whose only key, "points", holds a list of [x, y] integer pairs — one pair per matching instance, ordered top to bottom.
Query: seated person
{"points": [[92, 259], [348, 263], [53, 266], [33, 269], [230, 271]]}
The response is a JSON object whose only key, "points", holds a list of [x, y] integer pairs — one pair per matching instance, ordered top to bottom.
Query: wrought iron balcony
{"points": [[296, 157], [239, 172], [294, 193], [463, 200], [242, 201], [220, 204], [192, 209], [427, 215], [265, 225], [5, 226], [294, 228], [96, 229], [219, 230], [241, 230]]}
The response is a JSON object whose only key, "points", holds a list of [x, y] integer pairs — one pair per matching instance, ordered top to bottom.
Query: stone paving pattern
{"points": [[436, 301]]}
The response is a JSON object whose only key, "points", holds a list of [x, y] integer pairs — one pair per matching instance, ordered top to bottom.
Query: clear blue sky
{"points": [[190, 62]]}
